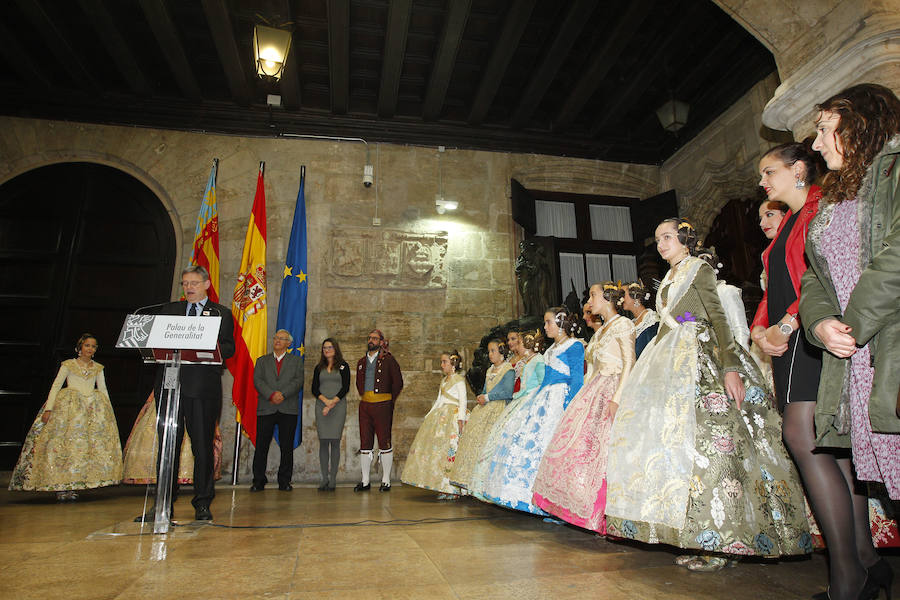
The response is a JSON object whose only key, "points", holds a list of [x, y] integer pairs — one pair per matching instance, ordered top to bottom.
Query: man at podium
{"points": [[201, 392]]}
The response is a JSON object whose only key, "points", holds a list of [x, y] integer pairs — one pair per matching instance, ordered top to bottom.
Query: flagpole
{"points": [[237, 453]]}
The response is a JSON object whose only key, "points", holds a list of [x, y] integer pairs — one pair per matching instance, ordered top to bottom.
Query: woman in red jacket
{"points": [[786, 174]]}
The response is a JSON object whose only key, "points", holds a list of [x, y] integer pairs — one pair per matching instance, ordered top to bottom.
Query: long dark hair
{"points": [[870, 116], [338, 357]]}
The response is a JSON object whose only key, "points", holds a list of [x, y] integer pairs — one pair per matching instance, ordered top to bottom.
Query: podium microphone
{"points": [[140, 310]]}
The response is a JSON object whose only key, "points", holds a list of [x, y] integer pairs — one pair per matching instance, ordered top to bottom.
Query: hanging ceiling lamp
{"points": [[270, 50]]}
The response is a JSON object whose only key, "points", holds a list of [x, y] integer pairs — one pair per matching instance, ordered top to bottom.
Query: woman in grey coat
{"points": [[330, 384]]}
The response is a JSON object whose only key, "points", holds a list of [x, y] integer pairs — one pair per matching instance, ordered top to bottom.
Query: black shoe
{"points": [[257, 487], [286, 487], [323, 487], [330, 487], [359, 487], [385, 487], [202, 513], [881, 576]]}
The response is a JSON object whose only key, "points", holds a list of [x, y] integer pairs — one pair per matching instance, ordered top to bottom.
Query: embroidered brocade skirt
{"points": [[475, 436], [522, 442], [77, 449], [141, 449], [433, 451], [571, 481], [744, 493]]}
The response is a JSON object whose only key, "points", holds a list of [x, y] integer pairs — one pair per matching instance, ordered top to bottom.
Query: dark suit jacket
{"points": [[268, 380], [202, 381]]}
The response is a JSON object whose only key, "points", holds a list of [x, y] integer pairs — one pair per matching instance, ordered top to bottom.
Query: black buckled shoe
{"points": [[257, 487], [286, 487], [359, 487], [385, 487], [202, 513]]}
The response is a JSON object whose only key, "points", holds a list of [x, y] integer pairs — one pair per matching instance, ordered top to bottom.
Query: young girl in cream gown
{"points": [[490, 404], [74, 442], [433, 450]]}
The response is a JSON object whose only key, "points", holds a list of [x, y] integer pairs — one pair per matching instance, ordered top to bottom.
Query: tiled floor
{"points": [[310, 544]]}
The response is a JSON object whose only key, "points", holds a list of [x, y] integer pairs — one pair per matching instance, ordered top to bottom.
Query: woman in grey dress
{"points": [[330, 384]]}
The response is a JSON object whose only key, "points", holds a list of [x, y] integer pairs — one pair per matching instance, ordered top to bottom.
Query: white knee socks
{"points": [[387, 461], [365, 462]]}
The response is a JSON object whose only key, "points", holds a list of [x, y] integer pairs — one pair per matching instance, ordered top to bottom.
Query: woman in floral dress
{"points": [[848, 306], [529, 373], [490, 404], [528, 430], [74, 442], [433, 450], [695, 457], [571, 481]]}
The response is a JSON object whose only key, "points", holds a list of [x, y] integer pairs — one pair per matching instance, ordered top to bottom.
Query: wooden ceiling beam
{"points": [[574, 21], [513, 27], [164, 31], [223, 36], [395, 36], [57, 44], [116, 46], [339, 54], [445, 58], [19, 59], [603, 60], [626, 97]]}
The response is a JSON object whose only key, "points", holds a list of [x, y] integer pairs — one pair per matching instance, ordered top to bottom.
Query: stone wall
{"points": [[430, 282]]}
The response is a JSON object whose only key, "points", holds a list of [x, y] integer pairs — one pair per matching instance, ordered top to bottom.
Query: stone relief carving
{"points": [[363, 258]]}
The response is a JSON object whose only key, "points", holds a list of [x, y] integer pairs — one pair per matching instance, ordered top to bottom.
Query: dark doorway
{"points": [[81, 245]]}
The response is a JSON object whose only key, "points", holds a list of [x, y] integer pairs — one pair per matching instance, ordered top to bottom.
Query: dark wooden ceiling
{"points": [[564, 77]]}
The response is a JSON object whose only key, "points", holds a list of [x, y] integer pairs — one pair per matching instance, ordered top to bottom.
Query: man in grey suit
{"points": [[278, 378]]}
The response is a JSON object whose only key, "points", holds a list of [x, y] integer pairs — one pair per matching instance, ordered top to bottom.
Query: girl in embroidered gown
{"points": [[646, 321], [529, 373], [498, 390], [527, 432], [74, 442], [433, 450], [695, 455], [139, 461], [571, 481]]}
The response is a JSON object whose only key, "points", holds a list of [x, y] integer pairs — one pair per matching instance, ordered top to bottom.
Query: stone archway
{"points": [[821, 48], [82, 245]]}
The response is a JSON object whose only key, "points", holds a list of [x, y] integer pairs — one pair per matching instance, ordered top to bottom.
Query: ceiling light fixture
{"points": [[271, 47], [673, 115]]}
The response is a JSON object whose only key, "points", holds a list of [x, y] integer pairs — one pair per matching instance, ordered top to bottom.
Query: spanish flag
{"points": [[206, 235], [249, 309]]}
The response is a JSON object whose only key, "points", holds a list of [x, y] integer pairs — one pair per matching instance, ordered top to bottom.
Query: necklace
{"points": [[85, 370]]}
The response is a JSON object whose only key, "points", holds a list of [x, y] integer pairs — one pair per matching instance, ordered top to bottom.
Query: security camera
{"points": [[368, 176]]}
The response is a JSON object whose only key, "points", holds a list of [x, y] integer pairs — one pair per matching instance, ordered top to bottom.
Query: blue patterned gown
{"points": [[528, 431]]}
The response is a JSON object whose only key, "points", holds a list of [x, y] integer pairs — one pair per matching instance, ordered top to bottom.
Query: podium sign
{"points": [[157, 335], [171, 340]]}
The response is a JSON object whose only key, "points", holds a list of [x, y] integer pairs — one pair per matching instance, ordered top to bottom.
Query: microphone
{"points": [[139, 310]]}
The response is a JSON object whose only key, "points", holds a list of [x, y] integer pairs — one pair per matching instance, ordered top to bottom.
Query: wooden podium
{"points": [[170, 341]]}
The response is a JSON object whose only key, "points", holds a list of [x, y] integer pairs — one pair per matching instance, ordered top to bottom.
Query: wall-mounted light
{"points": [[271, 47], [673, 115], [442, 204]]}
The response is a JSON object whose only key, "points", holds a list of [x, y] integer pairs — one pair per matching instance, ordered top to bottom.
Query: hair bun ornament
{"points": [[685, 225], [647, 296]]}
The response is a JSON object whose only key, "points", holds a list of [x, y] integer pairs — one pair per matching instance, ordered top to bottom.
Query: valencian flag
{"points": [[206, 235], [292, 303], [249, 309]]}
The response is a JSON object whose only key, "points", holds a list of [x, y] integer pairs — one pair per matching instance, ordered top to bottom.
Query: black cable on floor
{"points": [[366, 523]]}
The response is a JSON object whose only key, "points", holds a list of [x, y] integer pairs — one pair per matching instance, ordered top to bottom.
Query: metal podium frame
{"points": [[172, 359]]}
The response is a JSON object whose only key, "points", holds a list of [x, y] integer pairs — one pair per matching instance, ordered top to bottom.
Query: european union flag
{"points": [[292, 304]]}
